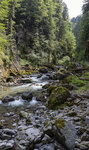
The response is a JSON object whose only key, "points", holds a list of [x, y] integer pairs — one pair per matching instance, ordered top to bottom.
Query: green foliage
{"points": [[47, 30], [65, 60], [86, 75], [74, 80]]}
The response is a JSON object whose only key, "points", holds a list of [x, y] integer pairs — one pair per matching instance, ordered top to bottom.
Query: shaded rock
{"points": [[43, 70], [61, 74], [9, 79], [24, 80], [27, 96], [58, 96], [8, 99]]}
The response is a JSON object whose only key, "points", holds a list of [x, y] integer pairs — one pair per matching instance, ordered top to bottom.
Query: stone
{"points": [[43, 70], [24, 80], [27, 96], [58, 96], [8, 99], [87, 120], [9, 131], [66, 134], [26, 137], [47, 147]]}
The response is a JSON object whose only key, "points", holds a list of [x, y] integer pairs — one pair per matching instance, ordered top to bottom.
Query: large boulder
{"points": [[60, 74], [58, 96], [65, 133]]}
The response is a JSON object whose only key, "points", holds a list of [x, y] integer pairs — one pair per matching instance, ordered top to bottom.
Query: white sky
{"points": [[74, 7]]}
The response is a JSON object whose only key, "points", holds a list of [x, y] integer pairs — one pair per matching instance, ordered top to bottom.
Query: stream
{"points": [[16, 92]]}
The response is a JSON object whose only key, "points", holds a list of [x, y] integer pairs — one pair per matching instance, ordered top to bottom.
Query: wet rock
{"points": [[9, 79], [24, 80], [27, 96], [58, 96], [8, 99]]}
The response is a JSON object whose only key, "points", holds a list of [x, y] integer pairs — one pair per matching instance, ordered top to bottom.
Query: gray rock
{"points": [[87, 120], [9, 131], [66, 135], [26, 137], [47, 147]]}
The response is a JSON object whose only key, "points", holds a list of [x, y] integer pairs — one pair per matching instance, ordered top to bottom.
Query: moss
{"points": [[71, 65], [61, 70], [26, 72], [86, 75], [74, 80], [50, 88], [58, 96], [62, 106], [46, 123], [60, 123]]}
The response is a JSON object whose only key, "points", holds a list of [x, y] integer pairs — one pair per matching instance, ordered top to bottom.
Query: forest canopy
{"points": [[38, 31]]}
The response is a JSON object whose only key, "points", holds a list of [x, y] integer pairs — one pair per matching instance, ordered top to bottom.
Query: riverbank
{"points": [[47, 110]]}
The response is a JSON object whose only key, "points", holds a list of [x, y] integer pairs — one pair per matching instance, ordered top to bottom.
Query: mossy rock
{"points": [[71, 65], [61, 74], [74, 80], [50, 88], [58, 96], [60, 123]]}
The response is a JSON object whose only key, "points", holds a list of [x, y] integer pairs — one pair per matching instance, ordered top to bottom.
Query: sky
{"points": [[74, 7]]}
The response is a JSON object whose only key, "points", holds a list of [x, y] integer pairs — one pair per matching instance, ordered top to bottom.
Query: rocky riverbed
{"points": [[30, 122]]}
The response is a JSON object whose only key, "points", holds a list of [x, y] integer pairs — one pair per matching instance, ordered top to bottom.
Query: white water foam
{"points": [[33, 101], [16, 103]]}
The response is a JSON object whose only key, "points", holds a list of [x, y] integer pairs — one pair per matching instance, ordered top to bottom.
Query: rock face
{"points": [[58, 96], [66, 134]]}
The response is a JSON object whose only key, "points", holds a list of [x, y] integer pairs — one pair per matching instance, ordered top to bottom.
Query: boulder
{"points": [[43, 70], [61, 74], [27, 96], [58, 96], [8, 99], [65, 133]]}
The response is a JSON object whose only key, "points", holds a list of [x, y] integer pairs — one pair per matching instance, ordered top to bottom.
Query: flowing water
{"points": [[16, 91]]}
